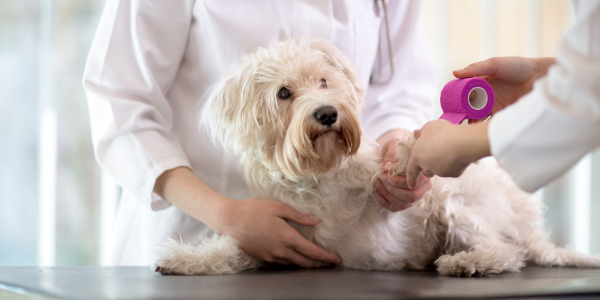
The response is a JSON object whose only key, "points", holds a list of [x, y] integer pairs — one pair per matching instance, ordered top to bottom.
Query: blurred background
{"points": [[57, 208]]}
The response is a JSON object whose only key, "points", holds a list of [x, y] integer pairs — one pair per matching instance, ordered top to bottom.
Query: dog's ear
{"points": [[338, 59], [225, 112]]}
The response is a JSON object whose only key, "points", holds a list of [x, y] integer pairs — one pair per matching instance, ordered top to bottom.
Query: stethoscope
{"points": [[389, 46]]}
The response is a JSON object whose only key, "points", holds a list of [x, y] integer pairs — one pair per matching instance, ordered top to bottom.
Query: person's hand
{"points": [[510, 77], [446, 150], [393, 192], [258, 224], [261, 228]]}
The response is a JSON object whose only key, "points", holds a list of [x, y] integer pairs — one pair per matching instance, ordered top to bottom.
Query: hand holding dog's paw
{"points": [[446, 150], [393, 192], [261, 228]]}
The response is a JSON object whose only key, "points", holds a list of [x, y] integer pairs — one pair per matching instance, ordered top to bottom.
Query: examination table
{"points": [[143, 283]]}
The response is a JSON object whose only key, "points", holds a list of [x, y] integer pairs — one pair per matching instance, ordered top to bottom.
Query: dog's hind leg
{"points": [[544, 253], [220, 254], [482, 259]]}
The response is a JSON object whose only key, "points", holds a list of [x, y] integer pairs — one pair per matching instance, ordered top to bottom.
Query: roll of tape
{"points": [[456, 104]]}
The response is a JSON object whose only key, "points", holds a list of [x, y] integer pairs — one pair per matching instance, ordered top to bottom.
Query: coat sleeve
{"points": [[133, 61], [406, 101], [547, 131]]}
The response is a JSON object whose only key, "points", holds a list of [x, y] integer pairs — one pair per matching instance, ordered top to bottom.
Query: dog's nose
{"points": [[326, 115]]}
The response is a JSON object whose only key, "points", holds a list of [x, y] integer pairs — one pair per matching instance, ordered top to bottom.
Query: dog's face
{"points": [[295, 107]]}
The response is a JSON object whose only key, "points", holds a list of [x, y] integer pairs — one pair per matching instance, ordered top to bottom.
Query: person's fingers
{"points": [[488, 67], [463, 73], [472, 95], [417, 133], [390, 157], [412, 172], [428, 174], [395, 180], [423, 180], [401, 181], [378, 184], [390, 194], [396, 194], [388, 199], [383, 202], [395, 203], [288, 213], [300, 243], [311, 250], [281, 261], [303, 261]]}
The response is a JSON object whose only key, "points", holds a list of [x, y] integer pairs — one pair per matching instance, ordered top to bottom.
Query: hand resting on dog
{"points": [[258, 224]]}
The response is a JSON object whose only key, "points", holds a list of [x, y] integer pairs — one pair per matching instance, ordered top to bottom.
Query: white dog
{"points": [[291, 115]]}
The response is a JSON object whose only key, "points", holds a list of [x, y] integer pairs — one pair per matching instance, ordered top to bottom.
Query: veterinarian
{"points": [[150, 64], [554, 123]]}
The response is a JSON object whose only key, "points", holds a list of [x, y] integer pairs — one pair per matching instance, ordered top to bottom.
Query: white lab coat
{"points": [[152, 61], [548, 130]]}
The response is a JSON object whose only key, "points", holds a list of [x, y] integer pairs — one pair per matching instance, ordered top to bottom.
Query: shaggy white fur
{"points": [[269, 113]]}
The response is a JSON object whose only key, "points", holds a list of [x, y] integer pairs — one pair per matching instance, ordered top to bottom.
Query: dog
{"points": [[291, 114]]}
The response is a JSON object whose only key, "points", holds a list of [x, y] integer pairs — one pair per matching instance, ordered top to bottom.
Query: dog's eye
{"points": [[324, 83], [284, 93]]}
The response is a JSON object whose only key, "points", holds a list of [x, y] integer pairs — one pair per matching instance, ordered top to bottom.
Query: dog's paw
{"points": [[403, 150], [217, 255], [177, 259], [469, 264], [456, 265], [167, 271]]}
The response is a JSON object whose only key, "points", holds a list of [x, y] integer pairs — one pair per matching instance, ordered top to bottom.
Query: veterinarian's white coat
{"points": [[152, 61], [547, 131]]}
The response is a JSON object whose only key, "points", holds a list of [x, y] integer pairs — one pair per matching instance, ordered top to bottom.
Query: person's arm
{"points": [[134, 59], [511, 78], [395, 107], [547, 130]]}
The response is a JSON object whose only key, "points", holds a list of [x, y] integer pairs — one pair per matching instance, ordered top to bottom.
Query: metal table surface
{"points": [[142, 283]]}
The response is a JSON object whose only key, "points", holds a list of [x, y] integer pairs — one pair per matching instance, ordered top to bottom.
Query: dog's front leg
{"points": [[403, 150], [220, 254]]}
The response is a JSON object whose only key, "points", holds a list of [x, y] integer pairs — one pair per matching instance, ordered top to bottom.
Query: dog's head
{"points": [[294, 106]]}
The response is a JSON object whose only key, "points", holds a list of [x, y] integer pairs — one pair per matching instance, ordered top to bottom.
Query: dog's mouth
{"points": [[322, 133], [338, 138]]}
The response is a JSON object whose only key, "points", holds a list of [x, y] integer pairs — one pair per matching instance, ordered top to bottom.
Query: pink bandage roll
{"points": [[456, 104]]}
